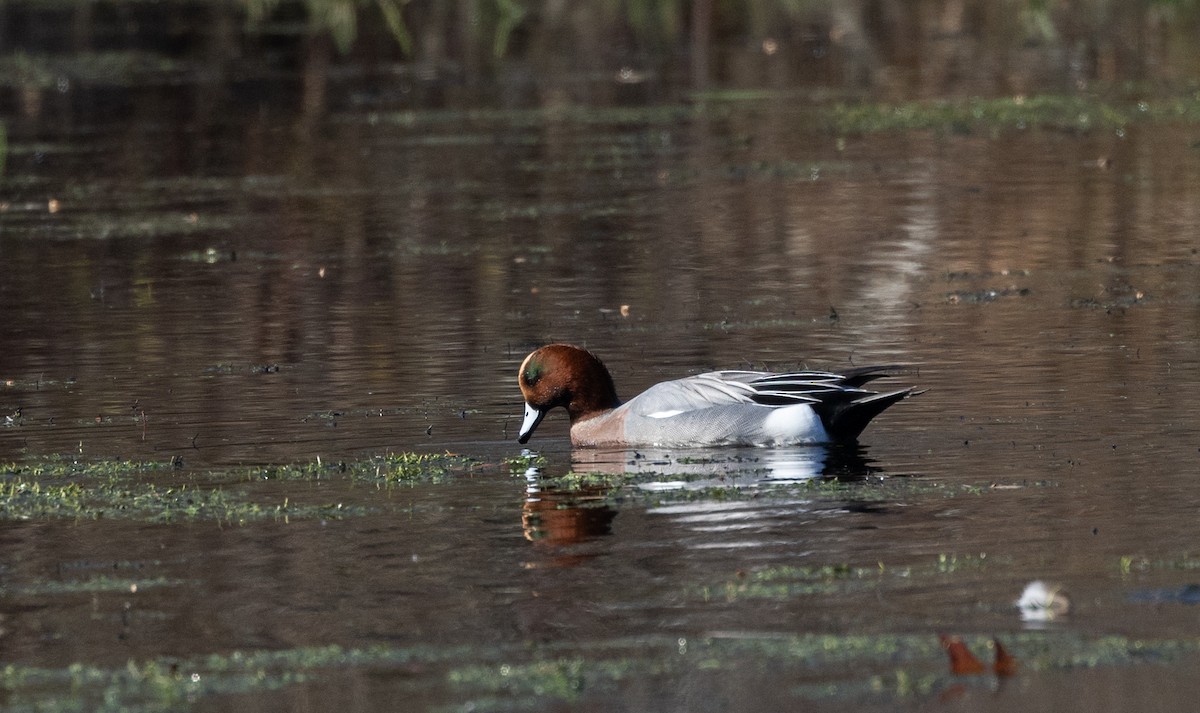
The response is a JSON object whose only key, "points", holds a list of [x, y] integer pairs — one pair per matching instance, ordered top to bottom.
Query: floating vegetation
{"points": [[58, 71], [965, 116], [515, 119], [785, 169], [75, 223], [209, 256], [986, 274], [975, 297], [1115, 298], [777, 323], [229, 368], [36, 383], [519, 465], [58, 466], [391, 468], [62, 488], [73, 488], [22, 499], [1139, 563], [791, 581], [786, 582], [90, 586], [880, 667], [564, 679], [169, 684]]}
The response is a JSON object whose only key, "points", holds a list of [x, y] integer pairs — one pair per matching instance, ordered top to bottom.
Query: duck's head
{"points": [[567, 376]]}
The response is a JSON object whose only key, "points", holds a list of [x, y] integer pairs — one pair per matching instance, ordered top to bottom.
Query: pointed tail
{"points": [[847, 419]]}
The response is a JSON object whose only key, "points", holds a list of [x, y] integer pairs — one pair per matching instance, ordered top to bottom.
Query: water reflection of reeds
{"points": [[925, 48]]}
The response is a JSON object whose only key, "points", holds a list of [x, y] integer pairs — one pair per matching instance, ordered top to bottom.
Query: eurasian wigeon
{"points": [[718, 408]]}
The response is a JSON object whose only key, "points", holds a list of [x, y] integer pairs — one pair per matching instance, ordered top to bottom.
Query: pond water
{"points": [[224, 283]]}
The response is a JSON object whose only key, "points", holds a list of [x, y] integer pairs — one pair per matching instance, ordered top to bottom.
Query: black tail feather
{"points": [[856, 378], [844, 406], [844, 420]]}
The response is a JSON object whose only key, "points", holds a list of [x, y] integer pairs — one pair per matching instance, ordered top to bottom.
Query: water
{"points": [[192, 279]]}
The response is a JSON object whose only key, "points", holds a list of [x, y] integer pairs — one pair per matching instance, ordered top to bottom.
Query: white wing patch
{"points": [[665, 414]]}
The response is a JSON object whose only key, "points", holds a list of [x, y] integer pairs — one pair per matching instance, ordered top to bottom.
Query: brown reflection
{"points": [[555, 521], [962, 661], [965, 663], [1006, 664]]}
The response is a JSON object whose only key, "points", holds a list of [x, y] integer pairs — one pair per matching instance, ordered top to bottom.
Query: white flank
{"points": [[794, 424]]}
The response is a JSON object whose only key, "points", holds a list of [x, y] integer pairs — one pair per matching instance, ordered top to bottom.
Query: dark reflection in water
{"points": [[556, 519]]}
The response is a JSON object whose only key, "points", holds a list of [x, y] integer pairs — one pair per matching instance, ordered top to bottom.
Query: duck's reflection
{"points": [[697, 469], [556, 520], [559, 522]]}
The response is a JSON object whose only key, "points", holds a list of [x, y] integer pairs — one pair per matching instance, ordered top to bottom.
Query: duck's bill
{"points": [[532, 418]]}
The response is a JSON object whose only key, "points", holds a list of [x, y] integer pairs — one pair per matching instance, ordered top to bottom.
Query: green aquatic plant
{"points": [[1065, 112], [519, 465], [61, 466], [389, 468], [61, 487], [116, 498], [1128, 564], [792, 581], [786, 582], [91, 585], [844, 668], [561, 678], [170, 683]]}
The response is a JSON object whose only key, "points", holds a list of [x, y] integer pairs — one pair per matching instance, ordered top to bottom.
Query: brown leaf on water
{"points": [[962, 661], [1005, 664]]}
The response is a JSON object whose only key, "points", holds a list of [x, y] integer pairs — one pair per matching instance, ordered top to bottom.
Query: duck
{"points": [[716, 408]]}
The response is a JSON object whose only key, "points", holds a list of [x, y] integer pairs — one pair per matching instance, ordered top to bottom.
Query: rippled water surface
{"points": [[220, 286]]}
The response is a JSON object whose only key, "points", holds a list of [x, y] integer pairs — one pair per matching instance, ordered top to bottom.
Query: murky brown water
{"points": [[235, 284]]}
